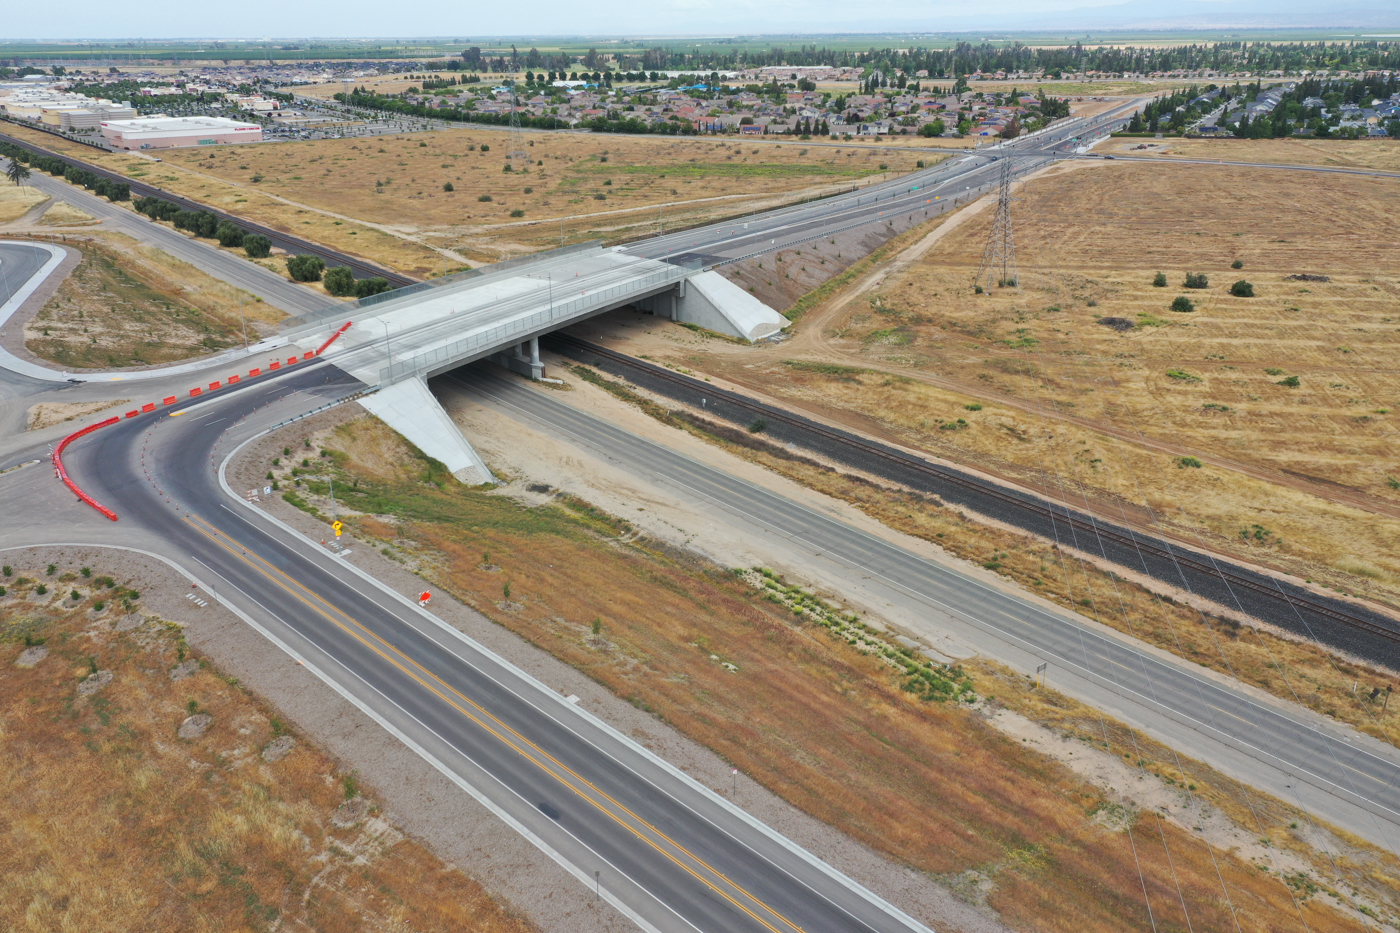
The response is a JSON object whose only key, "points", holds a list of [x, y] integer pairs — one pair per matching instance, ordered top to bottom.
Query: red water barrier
{"points": [[343, 328], [274, 365], [254, 373], [234, 379], [213, 386], [196, 391], [170, 400], [149, 406], [133, 413], [62, 474]]}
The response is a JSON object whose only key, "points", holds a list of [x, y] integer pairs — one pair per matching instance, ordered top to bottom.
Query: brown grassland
{"points": [[1378, 154], [383, 198], [18, 200], [127, 304], [1029, 386], [825, 726], [113, 822]]}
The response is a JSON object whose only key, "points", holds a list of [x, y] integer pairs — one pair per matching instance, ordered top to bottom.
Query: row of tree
{"points": [[372, 101], [98, 184], [205, 224]]}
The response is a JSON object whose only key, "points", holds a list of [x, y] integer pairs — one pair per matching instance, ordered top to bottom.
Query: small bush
{"points": [[485, 148], [448, 186], [529, 190], [484, 198], [517, 213], [257, 246], [1237, 264], [1159, 280], [1196, 280], [339, 281], [1242, 289], [1183, 304], [1273, 370], [1182, 376], [1291, 382], [973, 407], [758, 426], [1184, 462], [53, 569], [86, 571], [41, 589], [75, 596]]}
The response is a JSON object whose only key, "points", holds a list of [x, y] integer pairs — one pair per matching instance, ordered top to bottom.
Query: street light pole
{"points": [[244, 321], [388, 352]]}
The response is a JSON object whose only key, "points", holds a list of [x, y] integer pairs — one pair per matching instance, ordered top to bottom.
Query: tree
{"points": [[933, 128], [17, 171], [228, 235], [257, 246], [305, 268], [1159, 280], [1196, 280], [339, 281], [373, 286], [1242, 289], [1182, 304]]}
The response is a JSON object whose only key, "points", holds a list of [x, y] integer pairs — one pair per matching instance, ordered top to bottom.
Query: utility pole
{"points": [[516, 151], [999, 258], [242, 320]]}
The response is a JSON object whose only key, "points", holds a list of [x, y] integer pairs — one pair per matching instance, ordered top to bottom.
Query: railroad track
{"points": [[362, 268], [1144, 544]]}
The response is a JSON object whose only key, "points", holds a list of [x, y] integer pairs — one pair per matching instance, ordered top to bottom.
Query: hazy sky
{"points": [[334, 18]]}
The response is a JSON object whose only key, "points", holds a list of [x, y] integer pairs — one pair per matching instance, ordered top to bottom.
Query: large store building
{"points": [[170, 132]]}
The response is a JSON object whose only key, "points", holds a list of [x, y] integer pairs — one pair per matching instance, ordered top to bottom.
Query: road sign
{"points": [[267, 490], [336, 526]]}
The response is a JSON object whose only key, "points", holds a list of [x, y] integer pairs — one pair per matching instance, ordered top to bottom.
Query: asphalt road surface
{"points": [[672, 855]]}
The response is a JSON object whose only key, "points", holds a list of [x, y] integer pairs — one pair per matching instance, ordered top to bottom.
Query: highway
{"points": [[668, 853]]}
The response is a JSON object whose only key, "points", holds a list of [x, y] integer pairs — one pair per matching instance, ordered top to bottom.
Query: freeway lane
{"points": [[1356, 771], [674, 856]]}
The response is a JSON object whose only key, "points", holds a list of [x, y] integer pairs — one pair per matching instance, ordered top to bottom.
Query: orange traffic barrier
{"points": [[252, 373], [232, 379], [196, 391], [169, 400], [149, 406], [133, 413], [62, 474]]}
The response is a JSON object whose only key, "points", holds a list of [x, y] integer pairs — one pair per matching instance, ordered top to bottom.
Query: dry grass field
{"points": [[1378, 154], [383, 198], [18, 200], [132, 305], [1304, 477], [819, 722], [115, 821]]}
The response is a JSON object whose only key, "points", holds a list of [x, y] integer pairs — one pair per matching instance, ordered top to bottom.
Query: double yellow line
{"points": [[527, 749]]}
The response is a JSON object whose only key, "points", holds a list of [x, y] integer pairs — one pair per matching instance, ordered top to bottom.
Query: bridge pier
{"points": [[523, 358]]}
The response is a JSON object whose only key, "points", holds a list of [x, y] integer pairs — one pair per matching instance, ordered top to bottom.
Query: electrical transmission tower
{"points": [[516, 150], [999, 258]]}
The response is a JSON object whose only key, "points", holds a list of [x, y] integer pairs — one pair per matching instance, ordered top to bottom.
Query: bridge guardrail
{"points": [[313, 319], [500, 334]]}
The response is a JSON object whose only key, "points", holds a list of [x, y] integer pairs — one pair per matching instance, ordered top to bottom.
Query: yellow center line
{"points": [[329, 612]]}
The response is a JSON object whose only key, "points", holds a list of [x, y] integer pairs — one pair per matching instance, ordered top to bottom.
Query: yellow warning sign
{"points": [[336, 526]]}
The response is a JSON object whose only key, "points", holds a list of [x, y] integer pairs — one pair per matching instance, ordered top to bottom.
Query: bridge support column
{"points": [[523, 358]]}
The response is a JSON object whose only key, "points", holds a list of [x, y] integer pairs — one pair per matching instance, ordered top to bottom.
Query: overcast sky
{"points": [[101, 19], [257, 19]]}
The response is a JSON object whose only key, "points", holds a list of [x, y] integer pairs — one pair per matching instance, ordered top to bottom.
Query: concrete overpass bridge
{"points": [[397, 340]]}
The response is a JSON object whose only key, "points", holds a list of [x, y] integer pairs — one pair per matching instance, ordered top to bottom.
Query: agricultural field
{"points": [[1377, 154], [127, 304], [1260, 426], [804, 703], [146, 790]]}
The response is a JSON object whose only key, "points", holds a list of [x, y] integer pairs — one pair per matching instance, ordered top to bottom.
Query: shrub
{"points": [[485, 148], [448, 186], [529, 190], [484, 197], [517, 213], [229, 235], [257, 246], [1237, 264], [305, 268], [1196, 280], [339, 281], [373, 286], [1242, 289], [1183, 304], [1182, 376], [1291, 382], [973, 407], [758, 426], [1184, 462], [41, 589]]}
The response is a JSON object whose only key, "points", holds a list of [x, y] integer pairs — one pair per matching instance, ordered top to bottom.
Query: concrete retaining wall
{"points": [[409, 408]]}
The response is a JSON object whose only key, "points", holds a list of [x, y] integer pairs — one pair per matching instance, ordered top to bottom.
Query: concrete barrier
{"points": [[62, 474]]}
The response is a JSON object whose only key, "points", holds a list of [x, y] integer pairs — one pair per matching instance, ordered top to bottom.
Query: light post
{"points": [[244, 321], [388, 352]]}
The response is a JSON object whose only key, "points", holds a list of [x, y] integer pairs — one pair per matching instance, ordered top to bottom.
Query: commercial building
{"points": [[91, 119], [170, 132]]}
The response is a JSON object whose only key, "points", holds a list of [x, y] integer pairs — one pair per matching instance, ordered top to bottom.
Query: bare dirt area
{"points": [[1377, 154], [126, 304], [48, 414], [818, 719], [147, 790]]}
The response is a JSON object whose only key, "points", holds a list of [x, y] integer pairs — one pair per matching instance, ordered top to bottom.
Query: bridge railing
{"points": [[472, 277], [502, 334]]}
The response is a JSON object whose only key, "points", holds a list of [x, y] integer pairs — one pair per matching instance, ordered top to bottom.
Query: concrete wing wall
{"points": [[712, 301], [411, 409]]}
